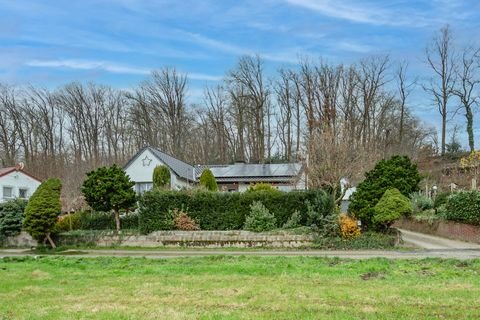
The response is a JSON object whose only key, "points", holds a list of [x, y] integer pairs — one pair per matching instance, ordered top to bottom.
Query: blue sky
{"points": [[117, 42]]}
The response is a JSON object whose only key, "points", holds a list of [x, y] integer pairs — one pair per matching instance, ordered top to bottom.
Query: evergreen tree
{"points": [[398, 172], [161, 177], [208, 181], [109, 189], [392, 206], [42, 210], [11, 217]]}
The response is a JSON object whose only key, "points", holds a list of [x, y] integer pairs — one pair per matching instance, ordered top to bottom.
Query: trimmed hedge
{"points": [[463, 207], [224, 210], [93, 220]]}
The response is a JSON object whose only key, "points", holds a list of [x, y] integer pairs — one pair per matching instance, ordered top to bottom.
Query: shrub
{"points": [[397, 172], [161, 177], [207, 180], [261, 187], [107, 189], [441, 199], [420, 202], [391, 207], [464, 207], [42, 210], [223, 210], [11, 217], [260, 219], [93, 220], [182, 221], [294, 221], [68, 222], [324, 222], [348, 227], [367, 240]]}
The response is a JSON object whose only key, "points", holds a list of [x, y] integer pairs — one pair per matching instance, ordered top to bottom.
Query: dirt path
{"points": [[426, 241], [351, 254]]}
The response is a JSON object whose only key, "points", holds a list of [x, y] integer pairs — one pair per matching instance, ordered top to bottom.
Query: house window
{"points": [[142, 187], [7, 192], [22, 193]]}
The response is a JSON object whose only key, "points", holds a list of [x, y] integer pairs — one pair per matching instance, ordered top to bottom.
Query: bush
{"points": [[398, 172], [161, 177], [207, 180], [261, 187], [440, 199], [420, 202], [391, 207], [464, 207], [43, 209], [224, 210], [11, 217], [260, 219], [92, 220], [294, 221], [68, 222], [183, 222], [324, 222], [348, 227], [367, 240]]}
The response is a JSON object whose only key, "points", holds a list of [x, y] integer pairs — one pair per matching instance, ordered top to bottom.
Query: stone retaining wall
{"points": [[447, 229], [205, 239], [23, 240]]}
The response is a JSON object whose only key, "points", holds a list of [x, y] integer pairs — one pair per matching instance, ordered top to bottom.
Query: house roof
{"points": [[179, 167], [182, 169], [5, 171], [252, 172], [227, 173]]}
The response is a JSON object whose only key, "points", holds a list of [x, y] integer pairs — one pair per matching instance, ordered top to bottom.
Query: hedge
{"points": [[464, 207], [223, 210], [93, 220]]}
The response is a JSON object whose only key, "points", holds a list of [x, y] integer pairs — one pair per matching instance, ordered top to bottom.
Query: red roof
{"points": [[5, 171]]}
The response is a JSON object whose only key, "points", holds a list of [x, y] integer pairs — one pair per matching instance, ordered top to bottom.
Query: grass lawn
{"points": [[238, 288]]}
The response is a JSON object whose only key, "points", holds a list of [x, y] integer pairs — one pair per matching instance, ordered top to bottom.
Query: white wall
{"points": [[140, 173], [18, 180]]}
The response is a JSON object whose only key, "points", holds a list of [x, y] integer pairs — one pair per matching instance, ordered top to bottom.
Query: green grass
{"points": [[238, 288]]}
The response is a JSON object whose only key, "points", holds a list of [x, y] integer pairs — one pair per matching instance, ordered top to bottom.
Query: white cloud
{"points": [[368, 13], [354, 47], [87, 65], [108, 67]]}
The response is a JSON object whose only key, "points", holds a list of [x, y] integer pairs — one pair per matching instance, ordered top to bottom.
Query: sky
{"points": [[118, 42]]}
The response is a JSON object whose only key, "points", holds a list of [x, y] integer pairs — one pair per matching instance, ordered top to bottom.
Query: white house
{"points": [[232, 177], [16, 183]]}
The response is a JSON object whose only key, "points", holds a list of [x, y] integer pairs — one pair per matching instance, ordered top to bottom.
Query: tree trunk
{"points": [[469, 116], [444, 129], [117, 219], [50, 240]]}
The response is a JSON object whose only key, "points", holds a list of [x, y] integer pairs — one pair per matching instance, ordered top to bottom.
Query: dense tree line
{"points": [[337, 119]]}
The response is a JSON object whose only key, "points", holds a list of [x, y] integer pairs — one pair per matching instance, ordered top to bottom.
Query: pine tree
{"points": [[398, 172], [161, 177], [207, 180], [109, 189], [42, 210]]}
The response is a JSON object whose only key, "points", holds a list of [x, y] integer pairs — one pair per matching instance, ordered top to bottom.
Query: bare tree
{"points": [[441, 60], [468, 80], [404, 90]]}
